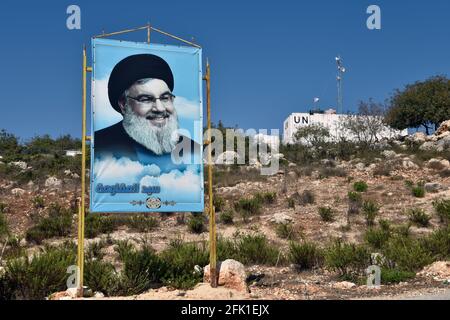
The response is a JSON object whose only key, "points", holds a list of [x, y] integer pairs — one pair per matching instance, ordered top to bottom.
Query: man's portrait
{"points": [[146, 136]]}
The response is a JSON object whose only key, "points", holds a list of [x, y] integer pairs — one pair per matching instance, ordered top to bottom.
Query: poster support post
{"points": [[85, 139]]}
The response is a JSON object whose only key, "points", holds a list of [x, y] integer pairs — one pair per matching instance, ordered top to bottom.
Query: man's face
{"points": [[151, 100]]}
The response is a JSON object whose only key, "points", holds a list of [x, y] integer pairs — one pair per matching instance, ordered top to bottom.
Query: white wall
{"points": [[330, 121]]}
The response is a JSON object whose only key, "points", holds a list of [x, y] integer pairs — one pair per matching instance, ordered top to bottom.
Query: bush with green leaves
{"points": [[360, 186], [418, 191], [266, 197], [307, 197], [38, 202], [354, 202], [219, 203], [291, 203], [251, 206], [442, 208], [370, 210], [326, 213], [226, 217], [419, 217], [58, 223], [142, 223], [196, 223], [97, 224], [4, 229], [285, 231], [377, 237], [438, 243], [123, 249], [256, 249], [95, 250], [406, 254], [305, 255], [180, 259], [347, 259], [142, 269], [393, 275], [101, 276], [35, 277]]}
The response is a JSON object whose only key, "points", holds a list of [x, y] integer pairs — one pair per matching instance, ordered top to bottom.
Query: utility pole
{"points": [[341, 71]]}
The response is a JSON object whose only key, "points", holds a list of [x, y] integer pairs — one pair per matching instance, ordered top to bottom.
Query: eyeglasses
{"points": [[145, 99]]}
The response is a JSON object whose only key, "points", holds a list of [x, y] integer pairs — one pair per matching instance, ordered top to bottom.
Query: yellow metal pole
{"points": [[83, 180], [212, 214]]}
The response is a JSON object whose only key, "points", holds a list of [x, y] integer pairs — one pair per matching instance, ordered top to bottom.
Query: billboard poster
{"points": [[146, 148]]}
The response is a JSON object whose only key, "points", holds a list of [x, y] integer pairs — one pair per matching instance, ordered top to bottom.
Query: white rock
{"points": [[444, 127], [389, 154], [20, 164], [408, 164], [360, 166], [52, 182], [17, 192], [281, 218], [231, 275], [344, 285]]}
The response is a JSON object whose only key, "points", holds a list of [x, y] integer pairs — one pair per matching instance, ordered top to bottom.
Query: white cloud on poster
{"points": [[110, 170], [184, 185]]}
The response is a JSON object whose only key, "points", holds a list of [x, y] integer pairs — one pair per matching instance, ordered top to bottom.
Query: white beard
{"points": [[159, 140]]}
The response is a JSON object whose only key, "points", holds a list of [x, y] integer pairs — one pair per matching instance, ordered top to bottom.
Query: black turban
{"points": [[134, 68]]}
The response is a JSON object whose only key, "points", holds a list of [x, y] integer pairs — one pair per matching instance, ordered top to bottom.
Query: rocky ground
{"points": [[329, 182]]}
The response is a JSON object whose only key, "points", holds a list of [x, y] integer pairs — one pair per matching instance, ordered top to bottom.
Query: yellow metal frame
{"points": [[85, 138]]}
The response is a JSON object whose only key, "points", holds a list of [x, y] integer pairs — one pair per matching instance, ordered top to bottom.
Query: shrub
{"points": [[360, 186], [418, 191], [266, 197], [307, 197], [38, 202], [354, 202], [219, 203], [291, 203], [251, 206], [3, 207], [442, 208], [370, 210], [326, 213], [226, 217], [419, 217], [142, 223], [196, 223], [57, 224], [97, 224], [4, 230], [403, 230], [285, 231], [377, 237], [437, 244], [124, 249], [256, 249], [94, 250], [406, 254], [305, 255], [181, 258], [348, 260], [142, 270], [101, 276], [391, 276], [35, 277]]}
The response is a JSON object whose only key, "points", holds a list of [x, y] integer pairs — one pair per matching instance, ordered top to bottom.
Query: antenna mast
{"points": [[341, 71]]}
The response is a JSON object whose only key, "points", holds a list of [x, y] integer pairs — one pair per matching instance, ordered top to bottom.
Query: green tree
{"points": [[422, 104]]}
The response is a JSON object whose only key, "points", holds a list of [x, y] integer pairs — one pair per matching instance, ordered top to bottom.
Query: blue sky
{"points": [[268, 59]]}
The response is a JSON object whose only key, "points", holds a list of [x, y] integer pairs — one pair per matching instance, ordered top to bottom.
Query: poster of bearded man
{"points": [[146, 151]]}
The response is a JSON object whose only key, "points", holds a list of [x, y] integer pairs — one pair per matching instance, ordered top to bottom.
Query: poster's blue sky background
{"points": [[269, 59]]}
